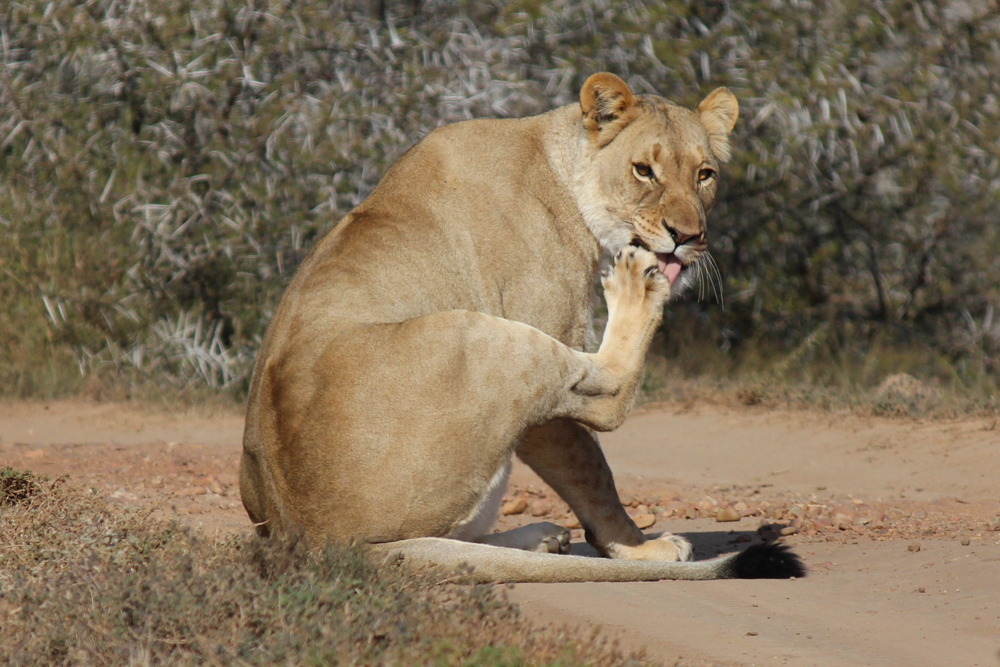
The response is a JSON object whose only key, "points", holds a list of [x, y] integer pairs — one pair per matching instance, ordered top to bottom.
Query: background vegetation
{"points": [[165, 164]]}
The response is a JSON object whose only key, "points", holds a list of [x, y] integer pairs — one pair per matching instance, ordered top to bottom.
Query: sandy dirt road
{"points": [[858, 495]]}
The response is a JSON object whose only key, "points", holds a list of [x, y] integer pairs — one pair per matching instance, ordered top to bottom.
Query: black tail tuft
{"points": [[768, 561]]}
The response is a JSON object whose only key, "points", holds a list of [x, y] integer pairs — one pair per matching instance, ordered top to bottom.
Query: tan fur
{"points": [[439, 328]]}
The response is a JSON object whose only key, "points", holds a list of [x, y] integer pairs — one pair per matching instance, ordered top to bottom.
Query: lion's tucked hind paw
{"points": [[540, 537]]}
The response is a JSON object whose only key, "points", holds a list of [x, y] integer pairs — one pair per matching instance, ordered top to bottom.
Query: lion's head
{"points": [[650, 170]]}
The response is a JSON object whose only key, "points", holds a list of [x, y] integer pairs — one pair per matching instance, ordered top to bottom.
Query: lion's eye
{"points": [[643, 170], [706, 175]]}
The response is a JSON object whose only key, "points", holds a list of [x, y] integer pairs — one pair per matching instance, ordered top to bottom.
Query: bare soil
{"points": [[895, 519]]}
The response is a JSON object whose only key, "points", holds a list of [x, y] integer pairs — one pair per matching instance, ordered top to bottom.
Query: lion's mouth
{"points": [[670, 266]]}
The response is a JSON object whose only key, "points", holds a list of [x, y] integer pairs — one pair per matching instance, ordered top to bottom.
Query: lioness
{"points": [[439, 328]]}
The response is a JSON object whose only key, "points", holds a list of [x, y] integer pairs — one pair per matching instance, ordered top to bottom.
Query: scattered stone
{"points": [[156, 482], [215, 488], [192, 491], [122, 494], [516, 506], [539, 507], [676, 507], [194, 508], [727, 514], [644, 520], [571, 522], [995, 524], [788, 530], [966, 541], [914, 547], [921, 590], [751, 634]]}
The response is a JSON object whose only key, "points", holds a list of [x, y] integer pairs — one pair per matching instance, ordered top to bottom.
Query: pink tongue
{"points": [[670, 266]]}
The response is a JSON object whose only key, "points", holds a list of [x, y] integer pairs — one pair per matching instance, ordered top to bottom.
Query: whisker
{"points": [[700, 277], [718, 277], [702, 291]]}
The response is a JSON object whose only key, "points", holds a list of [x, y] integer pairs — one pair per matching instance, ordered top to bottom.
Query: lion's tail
{"points": [[503, 565]]}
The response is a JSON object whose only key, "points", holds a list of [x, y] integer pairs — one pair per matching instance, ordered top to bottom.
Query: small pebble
{"points": [[516, 506], [540, 508], [727, 514], [644, 520], [966, 541], [915, 547], [751, 634]]}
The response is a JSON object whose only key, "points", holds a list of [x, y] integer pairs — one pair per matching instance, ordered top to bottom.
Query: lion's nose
{"points": [[680, 238]]}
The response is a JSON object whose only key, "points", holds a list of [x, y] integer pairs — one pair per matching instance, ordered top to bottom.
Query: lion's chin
{"points": [[670, 266]]}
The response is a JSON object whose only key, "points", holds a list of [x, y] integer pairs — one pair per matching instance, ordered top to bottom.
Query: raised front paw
{"points": [[635, 279]]}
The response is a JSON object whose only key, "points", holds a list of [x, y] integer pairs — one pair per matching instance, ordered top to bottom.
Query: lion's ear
{"points": [[606, 102], [718, 113]]}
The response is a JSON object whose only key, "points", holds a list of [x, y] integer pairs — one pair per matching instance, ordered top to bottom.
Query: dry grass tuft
{"points": [[17, 486], [83, 582]]}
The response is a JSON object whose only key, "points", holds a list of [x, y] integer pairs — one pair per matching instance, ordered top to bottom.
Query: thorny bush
{"points": [[166, 164]]}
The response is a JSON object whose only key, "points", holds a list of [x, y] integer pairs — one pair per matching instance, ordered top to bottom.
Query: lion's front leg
{"points": [[635, 291], [568, 456]]}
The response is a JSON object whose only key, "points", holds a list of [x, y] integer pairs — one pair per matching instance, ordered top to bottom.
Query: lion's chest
{"points": [[557, 303]]}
